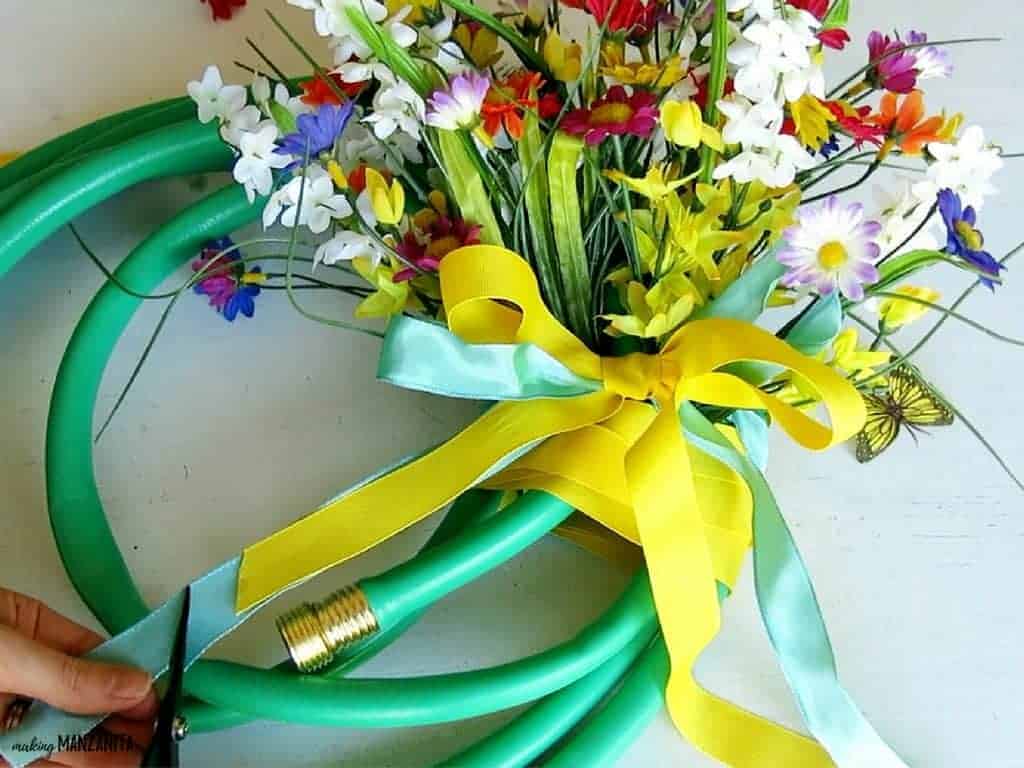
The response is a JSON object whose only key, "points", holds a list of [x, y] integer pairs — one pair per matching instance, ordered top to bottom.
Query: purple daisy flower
{"points": [[458, 106], [319, 130], [962, 237], [831, 246], [230, 288]]}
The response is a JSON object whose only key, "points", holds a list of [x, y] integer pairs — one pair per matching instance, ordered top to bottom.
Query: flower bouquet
{"points": [[633, 247]]}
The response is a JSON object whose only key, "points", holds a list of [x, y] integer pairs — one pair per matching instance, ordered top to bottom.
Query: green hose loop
{"points": [[186, 147], [59, 148], [18, 185], [429, 699], [606, 735], [521, 742]]}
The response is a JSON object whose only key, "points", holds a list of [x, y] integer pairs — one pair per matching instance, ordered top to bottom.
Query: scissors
{"points": [[170, 728]]}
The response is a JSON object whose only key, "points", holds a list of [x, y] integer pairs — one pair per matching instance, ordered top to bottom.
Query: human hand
{"points": [[39, 659]]}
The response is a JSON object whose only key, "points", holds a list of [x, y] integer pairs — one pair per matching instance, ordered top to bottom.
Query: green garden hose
{"points": [[109, 591]]}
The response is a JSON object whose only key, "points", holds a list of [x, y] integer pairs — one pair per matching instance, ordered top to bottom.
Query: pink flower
{"points": [[893, 68], [616, 114]]}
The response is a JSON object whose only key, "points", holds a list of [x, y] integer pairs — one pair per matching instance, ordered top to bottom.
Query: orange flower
{"points": [[508, 100], [906, 124]]}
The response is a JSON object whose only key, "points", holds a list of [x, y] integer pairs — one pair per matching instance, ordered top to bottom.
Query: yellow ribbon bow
{"points": [[618, 455]]}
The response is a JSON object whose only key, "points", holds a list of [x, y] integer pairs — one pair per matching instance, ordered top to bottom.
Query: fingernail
{"points": [[133, 684]]}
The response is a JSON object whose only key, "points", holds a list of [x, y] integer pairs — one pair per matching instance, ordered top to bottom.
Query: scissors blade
{"points": [[163, 751]]}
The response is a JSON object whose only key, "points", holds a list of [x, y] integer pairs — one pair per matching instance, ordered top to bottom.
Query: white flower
{"points": [[763, 8], [330, 17], [403, 35], [775, 47], [451, 59], [361, 71], [809, 79], [260, 89], [214, 99], [459, 105], [396, 108], [246, 120], [752, 125], [775, 165], [966, 167], [254, 168], [320, 202], [901, 212], [348, 245], [831, 246]]}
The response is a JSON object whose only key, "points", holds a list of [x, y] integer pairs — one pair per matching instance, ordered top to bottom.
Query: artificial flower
{"points": [[224, 9], [529, 15], [621, 16], [331, 19], [835, 38], [478, 43], [778, 48], [565, 60], [929, 61], [892, 67], [650, 74], [316, 91], [279, 96], [214, 99], [508, 100], [459, 105], [396, 107], [615, 114], [245, 120], [811, 120], [854, 122], [905, 122], [750, 124], [684, 125], [316, 132], [259, 159], [776, 164], [965, 166], [653, 185], [388, 201], [320, 203], [901, 214], [441, 236], [962, 236], [348, 245], [831, 246], [231, 288], [391, 297], [896, 313], [643, 319], [854, 360]]}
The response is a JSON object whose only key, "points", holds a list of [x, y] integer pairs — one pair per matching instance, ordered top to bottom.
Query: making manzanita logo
{"points": [[98, 741]]}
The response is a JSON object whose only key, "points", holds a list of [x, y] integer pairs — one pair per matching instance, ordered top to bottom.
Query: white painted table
{"points": [[234, 430]]}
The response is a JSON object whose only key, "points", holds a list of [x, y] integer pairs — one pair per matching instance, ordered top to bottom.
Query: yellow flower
{"points": [[417, 7], [479, 45], [565, 60], [654, 75], [812, 119], [685, 126], [950, 127], [337, 174], [653, 186], [388, 203], [390, 298], [898, 312], [645, 320], [854, 360]]}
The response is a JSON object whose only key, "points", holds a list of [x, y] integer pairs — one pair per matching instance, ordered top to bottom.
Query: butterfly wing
{"points": [[919, 404], [880, 428]]}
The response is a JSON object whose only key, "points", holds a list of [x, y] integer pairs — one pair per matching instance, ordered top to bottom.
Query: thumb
{"points": [[69, 683]]}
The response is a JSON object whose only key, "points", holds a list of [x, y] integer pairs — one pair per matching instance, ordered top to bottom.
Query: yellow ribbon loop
{"points": [[618, 455]]}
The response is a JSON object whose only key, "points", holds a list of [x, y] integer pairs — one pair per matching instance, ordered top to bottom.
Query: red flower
{"points": [[817, 8], [223, 9], [621, 15], [834, 38], [316, 92], [701, 97], [508, 100], [617, 113], [854, 121], [357, 179], [443, 235]]}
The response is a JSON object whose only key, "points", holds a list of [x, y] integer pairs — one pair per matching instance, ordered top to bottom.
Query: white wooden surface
{"points": [[234, 430]]}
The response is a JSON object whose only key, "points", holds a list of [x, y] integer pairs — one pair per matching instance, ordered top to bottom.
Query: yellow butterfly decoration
{"points": [[907, 401]]}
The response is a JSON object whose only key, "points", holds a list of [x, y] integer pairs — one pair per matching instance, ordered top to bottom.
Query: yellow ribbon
{"points": [[618, 455]]}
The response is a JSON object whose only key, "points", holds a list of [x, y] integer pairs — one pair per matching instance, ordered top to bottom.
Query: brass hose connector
{"points": [[314, 632]]}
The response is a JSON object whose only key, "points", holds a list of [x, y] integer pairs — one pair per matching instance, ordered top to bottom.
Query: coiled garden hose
{"points": [[98, 571]]}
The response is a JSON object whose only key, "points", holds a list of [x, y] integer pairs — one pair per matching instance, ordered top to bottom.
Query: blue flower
{"points": [[318, 130], [830, 147], [962, 239], [230, 288], [242, 299]]}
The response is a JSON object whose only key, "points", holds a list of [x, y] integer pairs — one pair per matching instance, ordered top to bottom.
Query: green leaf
{"points": [[838, 15], [522, 47], [716, 81], [283, 117], [563, 157], [468, 187], [538, 208], [903, 266], [746, 298]]}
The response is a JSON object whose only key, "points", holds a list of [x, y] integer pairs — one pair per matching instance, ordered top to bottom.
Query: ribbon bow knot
{"points": [[583, 428]]}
